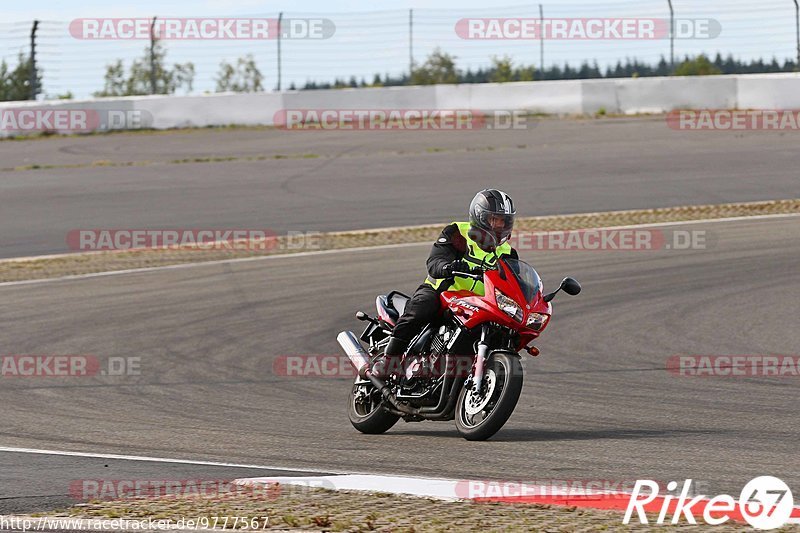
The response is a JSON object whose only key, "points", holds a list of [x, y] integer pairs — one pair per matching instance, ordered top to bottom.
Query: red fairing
{"points": [[472, 310]]}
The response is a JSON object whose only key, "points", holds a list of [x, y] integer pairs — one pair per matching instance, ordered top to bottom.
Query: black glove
{"points": [[456, 266], [476, 270]]}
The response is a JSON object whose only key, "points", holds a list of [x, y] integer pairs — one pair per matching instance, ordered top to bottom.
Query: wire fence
{"points": [[388, 42]]}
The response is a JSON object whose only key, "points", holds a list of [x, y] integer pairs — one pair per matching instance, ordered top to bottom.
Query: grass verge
{"points": [[94, 262]]}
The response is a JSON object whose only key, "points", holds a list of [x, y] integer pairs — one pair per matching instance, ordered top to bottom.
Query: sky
{"points": [[373, 37]]}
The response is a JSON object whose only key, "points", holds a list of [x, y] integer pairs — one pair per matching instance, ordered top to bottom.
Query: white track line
{"points": [[361, 249], [119, 457], [164, 460], [441, 489]]}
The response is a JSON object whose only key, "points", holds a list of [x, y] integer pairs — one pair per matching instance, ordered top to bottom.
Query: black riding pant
{"points": [[420, 310]]}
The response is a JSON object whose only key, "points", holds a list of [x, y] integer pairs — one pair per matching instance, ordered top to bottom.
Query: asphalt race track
{"points": [[338, 180], [597, 404], [37, 482]]}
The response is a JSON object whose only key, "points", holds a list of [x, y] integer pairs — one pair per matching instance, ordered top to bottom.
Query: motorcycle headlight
{"points": [[508, 306], [536, 321]]}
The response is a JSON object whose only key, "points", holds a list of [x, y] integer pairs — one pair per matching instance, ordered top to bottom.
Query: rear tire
{"points": [[507, 370], [371, 419]]}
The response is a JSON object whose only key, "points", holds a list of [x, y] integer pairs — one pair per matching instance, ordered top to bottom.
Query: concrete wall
{"points": [[768, 91], [659, 95], [627, 96], [423, 97], [551, 97], [210, 110]]}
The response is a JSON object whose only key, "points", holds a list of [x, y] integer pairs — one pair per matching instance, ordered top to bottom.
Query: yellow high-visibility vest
{"points": [[475, 257]]}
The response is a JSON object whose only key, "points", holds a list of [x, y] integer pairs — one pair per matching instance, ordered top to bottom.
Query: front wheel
{"points": [[365, 411], [479, 415]]}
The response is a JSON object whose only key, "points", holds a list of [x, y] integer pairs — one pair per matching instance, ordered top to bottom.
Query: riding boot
{"points": [[389, 362]]}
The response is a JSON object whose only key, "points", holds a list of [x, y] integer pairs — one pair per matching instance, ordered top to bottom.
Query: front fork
{"points": [[480, 360]]}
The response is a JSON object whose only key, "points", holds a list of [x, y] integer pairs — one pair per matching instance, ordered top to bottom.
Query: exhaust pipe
{"points": [[354, 351], [360, 360]]}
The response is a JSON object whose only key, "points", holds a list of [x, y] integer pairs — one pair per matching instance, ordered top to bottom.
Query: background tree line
{"points": [[441, 67], [151, 73]]}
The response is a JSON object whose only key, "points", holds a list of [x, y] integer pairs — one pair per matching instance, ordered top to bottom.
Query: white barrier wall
{"points": [[768, 91], [658, 95], [627, 96], [420, 97], [550, 97], [249, 109]]}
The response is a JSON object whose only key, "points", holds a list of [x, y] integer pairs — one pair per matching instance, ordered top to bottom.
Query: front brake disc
{"points": [[475, 403]]}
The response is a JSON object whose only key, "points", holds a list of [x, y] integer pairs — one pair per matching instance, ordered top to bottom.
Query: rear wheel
{"points": [[365, 411], [479, 415]]}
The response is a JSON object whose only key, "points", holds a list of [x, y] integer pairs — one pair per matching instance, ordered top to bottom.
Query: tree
{"points": [[699, 66], [438, 68], [662, 69], [502, 70], [525, 74], [242, 78], [139, 82], [114, 83], [16, 84]]}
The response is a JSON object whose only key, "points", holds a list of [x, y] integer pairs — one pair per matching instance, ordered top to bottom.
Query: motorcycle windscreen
{"points": [[526, 276]]}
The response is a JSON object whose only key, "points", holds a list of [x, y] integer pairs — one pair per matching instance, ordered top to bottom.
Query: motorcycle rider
{"points": [[461, 247]]}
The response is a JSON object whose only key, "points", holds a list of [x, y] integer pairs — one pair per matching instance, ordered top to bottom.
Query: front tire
{"points": [[365, 411], [479, 417]]}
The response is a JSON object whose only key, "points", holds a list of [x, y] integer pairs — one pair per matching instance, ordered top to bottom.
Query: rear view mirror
{"points": [[568, 285], [571, 286]]}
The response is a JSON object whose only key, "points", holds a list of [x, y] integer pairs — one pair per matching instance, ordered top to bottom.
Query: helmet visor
{"points": [[498, 225]]}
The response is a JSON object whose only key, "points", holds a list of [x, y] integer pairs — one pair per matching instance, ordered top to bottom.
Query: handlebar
{"points": [[471, 275]]}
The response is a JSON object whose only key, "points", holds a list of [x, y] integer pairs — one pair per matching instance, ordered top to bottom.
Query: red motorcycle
{"points": [[464, 366]]}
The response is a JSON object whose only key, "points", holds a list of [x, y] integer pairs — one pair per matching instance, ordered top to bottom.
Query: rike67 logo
{"points": [[765, 503]]}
